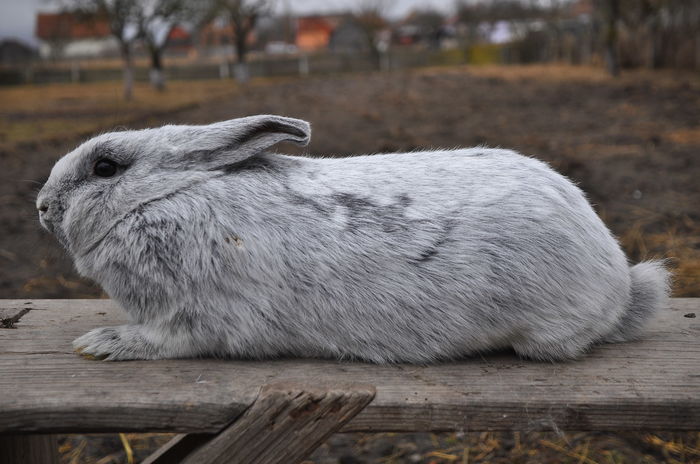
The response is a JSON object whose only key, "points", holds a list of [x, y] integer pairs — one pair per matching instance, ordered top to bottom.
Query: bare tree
{"points": [[611, 13], [470, 15], [243, 16], [371, 16], [122, 17], [483, 18], [157, 19], [430, 23], [665, 26], [673, 29], [656, 33], [57, 35]]}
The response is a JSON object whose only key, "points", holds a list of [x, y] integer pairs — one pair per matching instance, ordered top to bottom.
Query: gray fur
{"points": [[216, 247]]}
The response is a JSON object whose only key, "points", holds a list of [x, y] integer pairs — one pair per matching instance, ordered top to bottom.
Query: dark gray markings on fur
{"points": [[269, 126], [250, 133], [198, 156], [262, 162], [254, 163], [301, 200], [404, 200], [356, 205], [359, 209], [392, 218], [433, 250], [429, 253]]}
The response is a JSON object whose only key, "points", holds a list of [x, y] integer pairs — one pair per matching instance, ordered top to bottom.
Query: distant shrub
{"points": [[485, 54], [450, 57], [10, 77]]}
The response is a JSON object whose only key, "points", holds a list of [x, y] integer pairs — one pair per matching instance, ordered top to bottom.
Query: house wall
{"points": [[348, 38], [313, 40], [80, 48]]}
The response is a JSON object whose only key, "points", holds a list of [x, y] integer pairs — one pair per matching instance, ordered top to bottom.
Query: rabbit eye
{"points": [[105, 168]]}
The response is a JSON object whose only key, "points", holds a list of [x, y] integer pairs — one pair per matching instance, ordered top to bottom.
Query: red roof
{"points": [[314, 24], [52, 26], [67, 26], [314, 32], [178, 33]]}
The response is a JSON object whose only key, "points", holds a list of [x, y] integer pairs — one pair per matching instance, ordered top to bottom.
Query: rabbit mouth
{"points": [[45, 223], [56, 231]]}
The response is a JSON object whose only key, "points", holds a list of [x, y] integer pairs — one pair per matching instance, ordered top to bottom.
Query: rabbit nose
{"points": [[43, 207]]}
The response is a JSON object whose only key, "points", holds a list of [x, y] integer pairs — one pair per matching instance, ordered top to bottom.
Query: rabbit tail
{"points": [[649, 291]]}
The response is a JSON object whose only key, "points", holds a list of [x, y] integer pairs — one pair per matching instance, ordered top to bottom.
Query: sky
{"points": [[17, 17]]}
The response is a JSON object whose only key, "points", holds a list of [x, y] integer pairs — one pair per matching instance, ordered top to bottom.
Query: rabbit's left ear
{"points": [[228, 142]]}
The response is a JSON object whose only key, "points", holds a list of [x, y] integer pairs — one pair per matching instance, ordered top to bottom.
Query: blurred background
{"points": [[607, 91]]}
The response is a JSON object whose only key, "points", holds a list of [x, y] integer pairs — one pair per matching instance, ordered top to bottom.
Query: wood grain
{"points": [[653, 383], [285, 424], [28, 449]]}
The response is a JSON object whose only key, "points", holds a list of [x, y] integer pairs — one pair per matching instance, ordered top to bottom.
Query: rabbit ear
{"points": [[228, 142]]}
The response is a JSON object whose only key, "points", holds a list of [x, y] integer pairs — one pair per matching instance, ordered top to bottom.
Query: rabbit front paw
{"points": [[120, 343]]}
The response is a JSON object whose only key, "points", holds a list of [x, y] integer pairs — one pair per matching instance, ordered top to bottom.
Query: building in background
{"points": [[313, 33], [339, 33], [65, 35], [69, 36], [348, 37], [216, 38], [14, 53]]}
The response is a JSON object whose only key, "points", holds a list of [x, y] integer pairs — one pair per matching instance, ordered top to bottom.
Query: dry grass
{"points": [[563, 73], [50, 113], [685, 136], [679, 243], [515, 447], [123, 448], [458, 448]]}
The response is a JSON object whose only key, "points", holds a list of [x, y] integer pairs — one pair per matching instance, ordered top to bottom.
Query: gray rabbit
{"points": [[216, 247]]}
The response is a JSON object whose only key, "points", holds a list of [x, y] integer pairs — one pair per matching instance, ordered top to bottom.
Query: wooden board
{"points": [[653, 383], [285, 424], [29, 449]]}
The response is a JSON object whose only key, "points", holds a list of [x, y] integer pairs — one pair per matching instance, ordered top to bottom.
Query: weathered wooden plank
{"points": [[9, 317], [653, 383], [285, 424], [28, 449]]}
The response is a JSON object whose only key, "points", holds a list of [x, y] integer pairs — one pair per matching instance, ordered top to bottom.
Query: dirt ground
{"points": [[632, 144]]}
